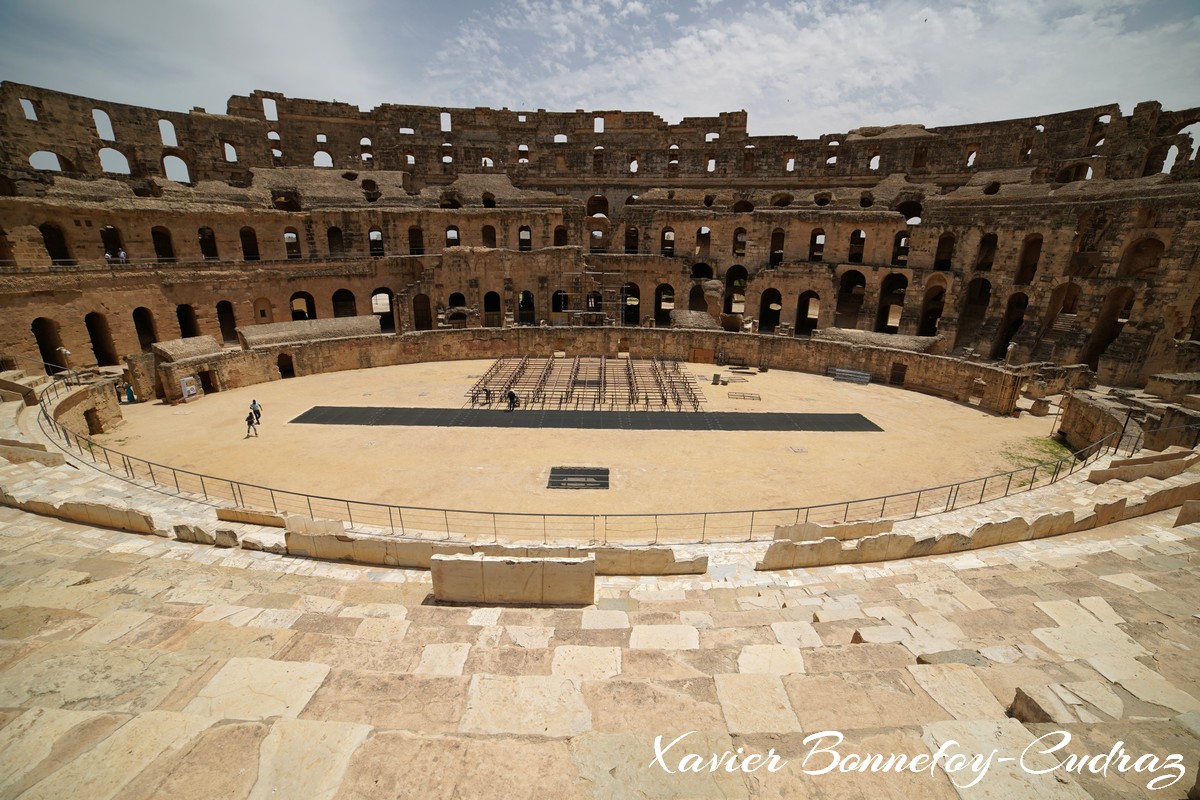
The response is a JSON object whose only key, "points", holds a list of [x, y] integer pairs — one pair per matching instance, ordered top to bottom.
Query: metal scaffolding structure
{"points": [[589, 383]]}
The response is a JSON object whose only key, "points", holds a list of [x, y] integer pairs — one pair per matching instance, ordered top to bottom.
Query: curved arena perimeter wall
{"points": [[1070, 237]]}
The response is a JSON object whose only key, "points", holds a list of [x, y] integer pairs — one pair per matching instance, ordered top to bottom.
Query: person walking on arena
{"points": [[256, 409], [251, 425]]}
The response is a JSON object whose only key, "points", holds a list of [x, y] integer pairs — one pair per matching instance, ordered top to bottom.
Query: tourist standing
{"points": [[251, 425]]}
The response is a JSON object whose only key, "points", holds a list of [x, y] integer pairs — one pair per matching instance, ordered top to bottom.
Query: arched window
{"points": [[104, 128], [166, 132], [230, 152], [322, 159], [47, 161], [114, 161], [176, 169], [489, 200], [597, 206], [452, 236], [489, 236], [560, 236], [110, 237], [333, 237], [524, 238], [777, 239], [631, 240], [416, 241], [703, 241], [739, 242], [291, 243], [375, 243], [667, 243], [208, 244], [249, 244], [858, 244], [816, 245], [900, 247], [164, 248], [987, 253], [1031, 253], [944, 258], [1141, 259], [851, 293], [559, 302], [891, 303], [344, 304], [664, 304], [770, 305], [303, 306], [632, 306], [381, 307], [808, 311], [227, 322], [143, 323], [188, 326], [101, 339]]}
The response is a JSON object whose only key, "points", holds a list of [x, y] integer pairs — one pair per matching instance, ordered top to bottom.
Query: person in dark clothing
{"points": [[512, 399]]}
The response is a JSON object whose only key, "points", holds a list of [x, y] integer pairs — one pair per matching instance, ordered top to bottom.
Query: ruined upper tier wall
{"points": [[538, 147]]}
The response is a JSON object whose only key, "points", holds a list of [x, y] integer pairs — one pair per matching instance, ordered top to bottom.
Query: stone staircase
{"points": [[16, 385]]}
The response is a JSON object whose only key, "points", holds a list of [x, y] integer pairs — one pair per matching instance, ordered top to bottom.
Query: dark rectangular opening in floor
{"points": [[578, 478]]}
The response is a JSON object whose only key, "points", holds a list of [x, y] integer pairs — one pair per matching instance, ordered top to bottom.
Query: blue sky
{"points": [[798, 67]]}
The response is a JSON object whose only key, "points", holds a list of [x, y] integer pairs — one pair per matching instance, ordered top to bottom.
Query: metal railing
{"points": [[463, 525]]}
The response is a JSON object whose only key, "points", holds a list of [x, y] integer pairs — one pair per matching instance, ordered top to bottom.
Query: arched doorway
{"points": [[56, 244], [735, 290], [852, 291], [891, 303], [344, 304], [664, 304], [303, 306], [381, 307], [769, 307], [932, 307], [632, 308], [808, 309], [526, 311], [974, 311], [263, 312], [1114, 313], [493, 315], [1014, 317], [227, 322], [143, 323], [188, 326], [101, 338], [50, 346], [287, 369]]}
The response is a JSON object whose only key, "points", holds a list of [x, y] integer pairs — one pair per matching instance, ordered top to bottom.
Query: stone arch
{"points": [[597, 206], [488, 235], [560, 236], [452, 237], [110, 238], [524, 239], [335, 241], [416, 241], [703, 241], [777, 241], [739, 242], [291, 243], [375, 243], [666, 243], [56, 244], [208, 244], [249, 244], [816, 245], [858, 246], [164, 247], [900, 247], [987, 252], [1031, 254], [1141, 258], [943, 259], [701, 272], [736, 278], [852, 290], [631, 293], [975, 302], [344, 303], [891, 303], [664, 304], [303, 306], [770, 306], [381, 307], [932, 307], [526, 308], [808, 312], [493, 313], [1114, 313], [1014, 318], [227, 322], [143, 324], [189, 326], [101, 338], [49, 342]]}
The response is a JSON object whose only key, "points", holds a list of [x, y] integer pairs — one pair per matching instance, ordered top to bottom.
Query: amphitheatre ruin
{"points": [[890, 432]]}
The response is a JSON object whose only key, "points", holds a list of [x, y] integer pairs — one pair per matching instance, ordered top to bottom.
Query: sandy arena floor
{"points": [[925, 442]]}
